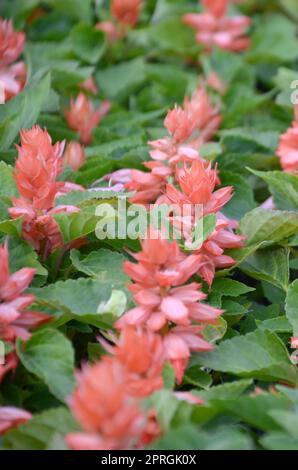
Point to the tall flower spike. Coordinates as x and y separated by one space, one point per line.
83 118
163 300
110 418
38 165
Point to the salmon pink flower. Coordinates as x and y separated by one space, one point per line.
110 30
198 182
288 148
13 79
111 419
213 248
294 342
11 417
213 28
126 12
218 7
12 75
38 165
11 363
89 85
163 300
141 353
74 155
83 118
15 320
180 342
11 43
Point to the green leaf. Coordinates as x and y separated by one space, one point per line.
230 287
7 184
49 355
12 227
260 355
79 299
105 265
22 111
36 433
274 40
243 198
22 255
292 306
191 438
87 42
269 264
76 225
283 186
119 81
261 225
291 7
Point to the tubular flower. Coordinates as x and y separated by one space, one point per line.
38 165
11 417
111 419
288 148
142 356
12 75
15 320
163 300
198 182
212 250
83 118
213 28
74 156
126 12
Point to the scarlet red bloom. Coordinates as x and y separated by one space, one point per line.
83 118
12 417
12 76
213 28
38 165
110 418
126 12
74 155
288 148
